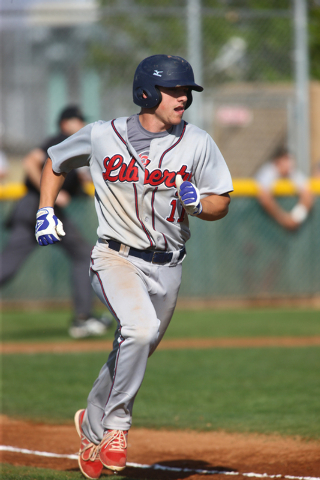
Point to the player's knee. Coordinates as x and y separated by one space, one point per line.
142 334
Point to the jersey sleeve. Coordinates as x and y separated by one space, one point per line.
211 175
74 152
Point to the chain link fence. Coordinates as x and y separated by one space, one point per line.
85 52
244 255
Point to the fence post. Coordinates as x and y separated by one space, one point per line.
302 86
195 57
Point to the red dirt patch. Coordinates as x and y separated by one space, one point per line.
171 344
244 453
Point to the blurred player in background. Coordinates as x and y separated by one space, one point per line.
282 166
21 241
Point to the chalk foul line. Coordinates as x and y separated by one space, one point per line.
7 448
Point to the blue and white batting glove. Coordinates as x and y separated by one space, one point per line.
189 196
49 228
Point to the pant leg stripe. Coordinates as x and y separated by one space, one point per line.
120 343
105 296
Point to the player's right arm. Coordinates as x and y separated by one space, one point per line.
32 164
73 152
50 185
49 228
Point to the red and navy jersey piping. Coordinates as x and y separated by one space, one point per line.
117 133
174 145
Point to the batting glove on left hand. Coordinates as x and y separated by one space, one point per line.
189 196
49 228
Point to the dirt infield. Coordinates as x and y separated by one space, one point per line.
242 453
171 344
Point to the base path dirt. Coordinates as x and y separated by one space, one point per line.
170 344
241 453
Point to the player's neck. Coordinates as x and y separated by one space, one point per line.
151 122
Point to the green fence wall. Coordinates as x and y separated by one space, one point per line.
244 255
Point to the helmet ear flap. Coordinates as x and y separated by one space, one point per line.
153 96
189 99
159 95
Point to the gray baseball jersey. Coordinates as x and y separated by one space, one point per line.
135 199
137 205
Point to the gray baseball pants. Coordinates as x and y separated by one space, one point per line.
142 298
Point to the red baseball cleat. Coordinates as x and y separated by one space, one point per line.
113 449
88 460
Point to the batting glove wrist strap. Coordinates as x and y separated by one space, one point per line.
189 196
49 228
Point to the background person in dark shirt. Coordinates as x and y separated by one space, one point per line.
21 241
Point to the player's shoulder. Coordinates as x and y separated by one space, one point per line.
101 126
197 135
195 130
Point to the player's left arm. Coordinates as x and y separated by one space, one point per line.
214 207
210 208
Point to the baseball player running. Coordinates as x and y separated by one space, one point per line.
150 171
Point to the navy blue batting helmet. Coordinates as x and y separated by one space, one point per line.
162 71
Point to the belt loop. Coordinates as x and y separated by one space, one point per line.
124 250
175 257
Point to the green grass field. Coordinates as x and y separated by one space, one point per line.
267 390
52 325
9 472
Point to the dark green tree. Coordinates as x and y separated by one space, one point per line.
262 30
314 39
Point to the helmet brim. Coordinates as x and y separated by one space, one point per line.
174 83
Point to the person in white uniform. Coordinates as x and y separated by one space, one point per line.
282 166
150 171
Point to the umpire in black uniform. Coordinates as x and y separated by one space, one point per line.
21 241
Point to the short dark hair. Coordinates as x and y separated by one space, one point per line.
72 111
279 152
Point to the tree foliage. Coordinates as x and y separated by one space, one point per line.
256 37
314 40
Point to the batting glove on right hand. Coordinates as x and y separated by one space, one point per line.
189 196
49 228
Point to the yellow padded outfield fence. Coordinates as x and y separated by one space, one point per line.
246 255
243 187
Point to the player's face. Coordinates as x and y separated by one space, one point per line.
71 125
172 106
